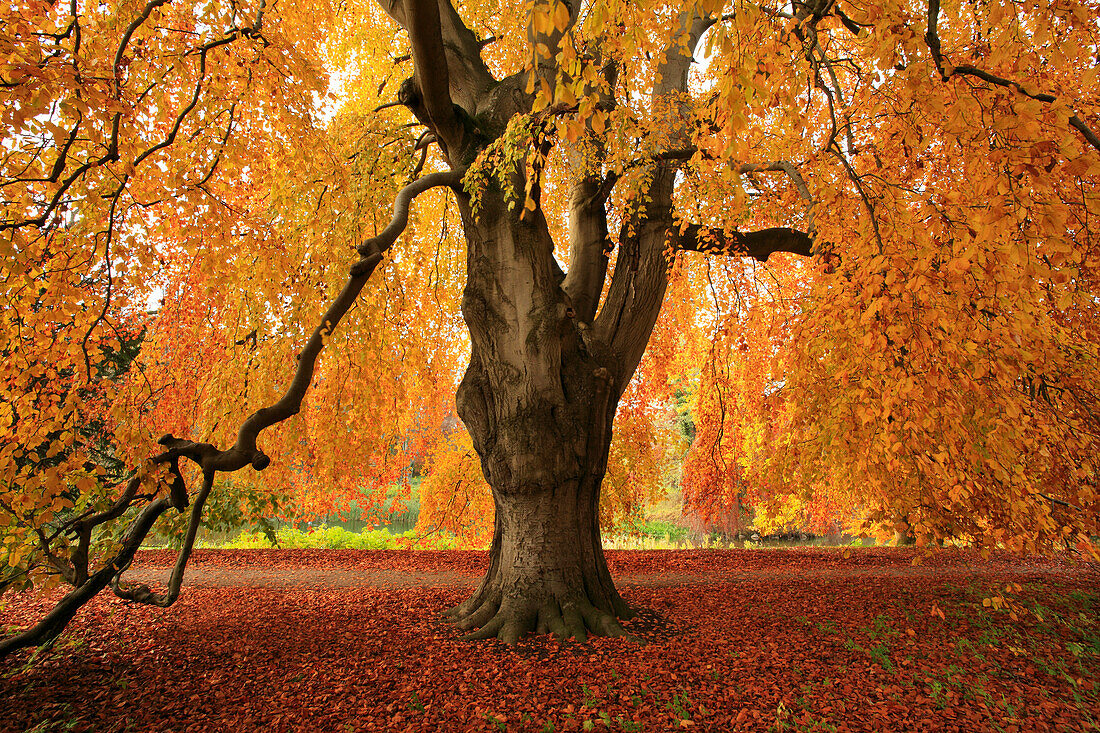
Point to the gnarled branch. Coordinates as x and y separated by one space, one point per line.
208 457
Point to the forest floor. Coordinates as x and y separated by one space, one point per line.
757 640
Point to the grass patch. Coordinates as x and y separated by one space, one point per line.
338 538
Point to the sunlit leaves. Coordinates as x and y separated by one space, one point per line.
932 368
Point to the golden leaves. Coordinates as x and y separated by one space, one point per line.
939 369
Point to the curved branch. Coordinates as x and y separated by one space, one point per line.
208 457
116 65
785 167
144 594
371 252
401 204
932 39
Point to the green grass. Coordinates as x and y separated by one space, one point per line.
338 538
653 535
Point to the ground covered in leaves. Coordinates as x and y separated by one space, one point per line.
761 640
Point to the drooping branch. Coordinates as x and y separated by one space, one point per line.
947 71
143 593
55 621
208 457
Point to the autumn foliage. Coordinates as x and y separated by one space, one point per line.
882 275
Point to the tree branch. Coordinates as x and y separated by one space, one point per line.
371 252
430 69
932 39
589 246
641 271
759 245
54 622
143 593
116 65
211 460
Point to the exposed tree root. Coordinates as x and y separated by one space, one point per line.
509 617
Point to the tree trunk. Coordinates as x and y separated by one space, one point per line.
539 403
547 570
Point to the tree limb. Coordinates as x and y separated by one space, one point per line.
589 246
430 69
209 458
54 622
142 593
371 252
641 271
932 39
759 244
116 65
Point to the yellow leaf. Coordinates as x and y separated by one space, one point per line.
561 16
541 23
597 122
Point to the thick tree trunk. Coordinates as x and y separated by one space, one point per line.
539 403
547 570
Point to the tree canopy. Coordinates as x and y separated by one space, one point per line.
872 227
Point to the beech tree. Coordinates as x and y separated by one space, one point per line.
900 200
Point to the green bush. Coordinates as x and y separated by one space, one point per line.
657 529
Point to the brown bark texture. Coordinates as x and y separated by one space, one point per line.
539 404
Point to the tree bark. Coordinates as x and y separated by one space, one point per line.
547 569
539 402
548 362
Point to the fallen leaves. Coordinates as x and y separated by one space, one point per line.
727 640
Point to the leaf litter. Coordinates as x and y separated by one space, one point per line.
755 640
